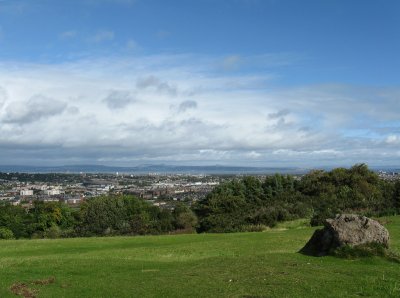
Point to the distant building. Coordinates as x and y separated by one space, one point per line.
52 192
74 201
26 192
16 202
51 200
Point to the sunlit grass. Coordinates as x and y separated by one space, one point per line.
264 264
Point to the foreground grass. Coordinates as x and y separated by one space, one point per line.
262 264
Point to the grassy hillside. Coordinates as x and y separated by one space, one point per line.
207 265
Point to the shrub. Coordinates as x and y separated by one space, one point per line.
319 216
6 233
186 220
38 235
53 232
69 233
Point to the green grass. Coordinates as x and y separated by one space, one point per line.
294 224
264 264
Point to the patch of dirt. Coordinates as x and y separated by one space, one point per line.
23 289
150 270
44 282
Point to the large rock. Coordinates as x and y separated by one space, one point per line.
346 229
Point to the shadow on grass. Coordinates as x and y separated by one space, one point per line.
368 250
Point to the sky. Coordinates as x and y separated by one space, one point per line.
229 82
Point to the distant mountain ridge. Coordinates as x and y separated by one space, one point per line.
168 169
145 169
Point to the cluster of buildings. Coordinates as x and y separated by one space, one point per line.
386 175
24 193
160 190
166 193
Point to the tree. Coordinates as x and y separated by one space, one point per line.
16 219
184 218
120 214
102 214
396 196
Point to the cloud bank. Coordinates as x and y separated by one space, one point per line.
185 109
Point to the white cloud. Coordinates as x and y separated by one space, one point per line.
163 34
253 155
68 34
231 62
131 44
120 110
393 140
14 6
279 114
118 99
3 97
187 105
102 36
154 83
34 109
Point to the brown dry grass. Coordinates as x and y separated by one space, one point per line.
23 289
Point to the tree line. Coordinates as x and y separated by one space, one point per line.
245 204
250 204
100 216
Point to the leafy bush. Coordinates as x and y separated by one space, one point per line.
124 215
184 218
6 233
53 232
68 233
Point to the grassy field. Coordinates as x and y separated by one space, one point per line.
264 264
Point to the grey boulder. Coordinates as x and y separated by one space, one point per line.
346 229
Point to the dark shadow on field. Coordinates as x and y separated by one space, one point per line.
319 245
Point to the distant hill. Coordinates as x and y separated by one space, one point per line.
168 169
145 169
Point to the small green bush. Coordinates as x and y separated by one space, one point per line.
37 235
6 233
68 233
53 232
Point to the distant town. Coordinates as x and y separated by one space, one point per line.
163 190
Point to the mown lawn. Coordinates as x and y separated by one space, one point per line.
262 264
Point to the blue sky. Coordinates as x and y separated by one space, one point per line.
240 82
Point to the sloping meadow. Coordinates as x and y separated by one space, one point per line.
260 264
